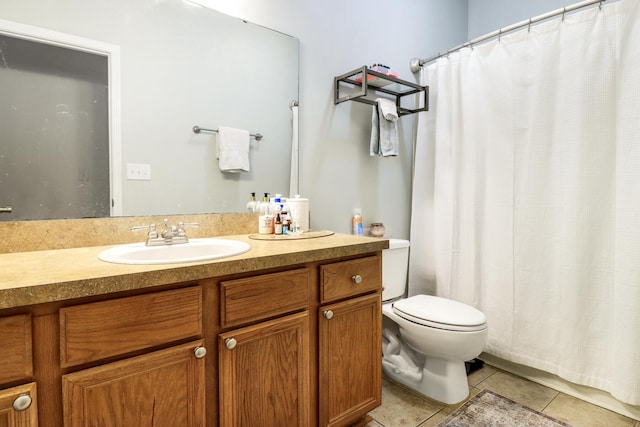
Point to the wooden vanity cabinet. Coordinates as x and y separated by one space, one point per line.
164 387
22 396
350 340
296 345
18 403
264 375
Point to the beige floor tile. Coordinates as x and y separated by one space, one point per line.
449 409
583 414
434 420
481 374
402 408
521 390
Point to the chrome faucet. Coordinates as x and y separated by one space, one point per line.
170 235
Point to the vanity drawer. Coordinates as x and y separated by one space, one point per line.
261 297
15 342
99 330
349 278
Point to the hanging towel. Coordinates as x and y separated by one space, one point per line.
233 149
384 132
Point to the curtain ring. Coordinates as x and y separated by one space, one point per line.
600 5
499 34
529 30
564 10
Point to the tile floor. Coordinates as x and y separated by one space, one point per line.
402 407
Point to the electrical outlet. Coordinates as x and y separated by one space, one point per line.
138 171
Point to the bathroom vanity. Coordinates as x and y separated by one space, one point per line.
286 334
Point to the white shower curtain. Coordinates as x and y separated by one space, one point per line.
526 194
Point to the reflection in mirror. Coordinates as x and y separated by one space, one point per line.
54 139
181 66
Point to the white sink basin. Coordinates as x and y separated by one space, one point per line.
195 250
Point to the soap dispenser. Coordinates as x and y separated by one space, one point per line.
251 204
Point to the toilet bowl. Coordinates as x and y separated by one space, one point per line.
426 339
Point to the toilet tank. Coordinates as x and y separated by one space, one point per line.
395 264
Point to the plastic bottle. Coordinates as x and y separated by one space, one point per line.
264 206
356 222
275 210
286 222
251 204
265 220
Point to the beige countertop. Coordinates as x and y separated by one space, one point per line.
28 278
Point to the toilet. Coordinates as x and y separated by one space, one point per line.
426 339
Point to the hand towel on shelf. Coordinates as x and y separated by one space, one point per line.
233 149
384 132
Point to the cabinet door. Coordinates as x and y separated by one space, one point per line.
15 342
18 407
264 374
164 388
350 348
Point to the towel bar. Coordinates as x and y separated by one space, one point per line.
197 129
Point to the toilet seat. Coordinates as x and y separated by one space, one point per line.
440 313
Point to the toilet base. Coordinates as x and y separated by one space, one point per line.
439 379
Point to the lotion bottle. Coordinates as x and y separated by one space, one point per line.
265 220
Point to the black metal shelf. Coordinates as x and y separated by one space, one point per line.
401 89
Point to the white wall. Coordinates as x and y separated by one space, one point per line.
336 36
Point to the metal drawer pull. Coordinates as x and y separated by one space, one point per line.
328 314
200 352
357 279
230 343
22 402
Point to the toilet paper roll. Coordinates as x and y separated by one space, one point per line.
299 210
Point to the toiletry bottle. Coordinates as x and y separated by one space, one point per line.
264 206
278 224
286 222
275 211
265 220
284 214
356 222
251 204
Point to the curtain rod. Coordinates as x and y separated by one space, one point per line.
417 63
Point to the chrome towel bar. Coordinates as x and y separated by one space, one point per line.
197 129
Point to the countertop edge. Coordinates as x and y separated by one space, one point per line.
88 276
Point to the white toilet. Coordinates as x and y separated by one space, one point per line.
426 339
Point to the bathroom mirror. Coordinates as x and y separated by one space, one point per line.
180 65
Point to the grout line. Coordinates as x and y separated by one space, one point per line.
551 401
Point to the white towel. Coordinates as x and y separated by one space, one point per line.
233 149
384 132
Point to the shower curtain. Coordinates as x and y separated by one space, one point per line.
526 194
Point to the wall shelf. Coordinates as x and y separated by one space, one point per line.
369 84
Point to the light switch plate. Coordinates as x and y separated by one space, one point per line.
138 171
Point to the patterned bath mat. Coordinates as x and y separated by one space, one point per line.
489 409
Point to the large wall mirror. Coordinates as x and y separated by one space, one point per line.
179 65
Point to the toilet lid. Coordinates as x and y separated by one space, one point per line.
440 313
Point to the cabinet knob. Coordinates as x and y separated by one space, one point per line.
200 352
357 279
230 343
22 402
328 314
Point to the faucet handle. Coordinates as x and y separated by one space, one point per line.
182 225
188 224
151 227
